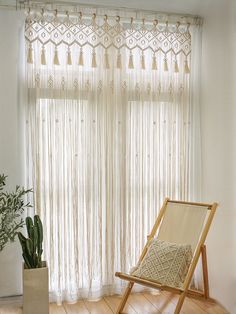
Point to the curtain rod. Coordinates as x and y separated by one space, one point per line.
25 4
99 6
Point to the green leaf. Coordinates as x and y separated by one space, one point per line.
12 205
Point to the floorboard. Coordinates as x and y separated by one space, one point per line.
78 307
114 301
210 307
141 304
163 302
191 307
56 309
98 307
10 309
138 303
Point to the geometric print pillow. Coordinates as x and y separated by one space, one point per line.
167 263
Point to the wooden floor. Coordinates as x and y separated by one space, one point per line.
139 303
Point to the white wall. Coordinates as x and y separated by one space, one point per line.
218 114
10 149
218 147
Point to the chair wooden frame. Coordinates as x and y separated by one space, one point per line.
200 250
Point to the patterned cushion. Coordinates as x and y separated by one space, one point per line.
166 263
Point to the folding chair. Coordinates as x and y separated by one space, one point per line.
178 222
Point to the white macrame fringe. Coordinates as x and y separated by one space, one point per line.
154 63
131 62
142 62
81 57
69 59
107 65
186 67
56 59
30 54
166 65
176 69
43 57
94 61
118 62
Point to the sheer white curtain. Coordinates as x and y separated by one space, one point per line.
111 129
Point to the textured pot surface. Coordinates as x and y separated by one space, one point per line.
35 291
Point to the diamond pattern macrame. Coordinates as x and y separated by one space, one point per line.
166 263
163 39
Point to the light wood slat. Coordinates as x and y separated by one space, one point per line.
146 282
216 309
56 309
191 203
205 272
210 307
159 302
113 302
162 302
190 307
15 300
155 285
98 307
11 309
78 307
142 304
166 302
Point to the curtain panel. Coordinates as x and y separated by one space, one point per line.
111 129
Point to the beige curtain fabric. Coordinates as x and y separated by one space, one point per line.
182 224
109 130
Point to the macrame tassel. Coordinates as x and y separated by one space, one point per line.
165 65
56 59
131 62
118 62
69 59
43 57
142 62
30 55
81 57
176 66
186 67
107 65
94 62
154 63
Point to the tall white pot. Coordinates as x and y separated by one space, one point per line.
35 290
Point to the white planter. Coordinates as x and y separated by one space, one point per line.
35 290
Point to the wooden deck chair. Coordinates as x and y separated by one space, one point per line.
178 222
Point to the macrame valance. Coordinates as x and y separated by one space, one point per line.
106 36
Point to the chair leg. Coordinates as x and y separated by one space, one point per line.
125 297
205 280
205 272
180 302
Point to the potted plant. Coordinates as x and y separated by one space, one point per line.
12 206
35 271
